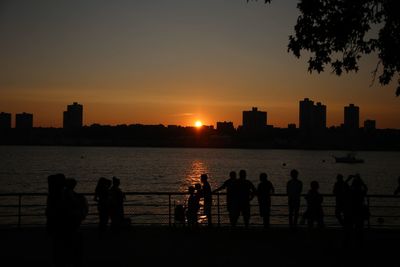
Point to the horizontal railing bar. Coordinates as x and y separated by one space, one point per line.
144 193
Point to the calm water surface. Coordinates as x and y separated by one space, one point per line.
25 168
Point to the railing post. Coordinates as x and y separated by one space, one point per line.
19 210
218 210
169 210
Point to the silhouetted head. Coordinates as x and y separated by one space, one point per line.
197 186
203 178
191 189
263 177
242 174
294 174
116 182
314 185
103 184
357 181
339 178
232 175
56 183
70 183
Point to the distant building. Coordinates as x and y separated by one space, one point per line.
369 125
291 126
319 116
24 121
351 117
311 117
254 120
73 117
306 114
225 127
5 120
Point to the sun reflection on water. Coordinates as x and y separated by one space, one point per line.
193 173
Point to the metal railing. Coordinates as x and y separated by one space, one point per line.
157 208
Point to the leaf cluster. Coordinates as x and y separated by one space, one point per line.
337 33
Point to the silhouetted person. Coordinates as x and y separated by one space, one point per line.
55 209
77 206
264 191
65 211
198 192
246 192
231 197
117 198
314 212
397 191
102 198
56 215
356 210
76 211
192 207
207 197
294 188
340 189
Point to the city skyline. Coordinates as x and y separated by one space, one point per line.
194 60
310 116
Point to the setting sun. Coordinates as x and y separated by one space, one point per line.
198 124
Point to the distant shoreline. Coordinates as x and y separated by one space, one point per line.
207 137
203 147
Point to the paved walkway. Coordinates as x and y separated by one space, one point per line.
164 246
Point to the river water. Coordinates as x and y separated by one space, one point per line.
25 168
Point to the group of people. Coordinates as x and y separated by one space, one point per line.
110 204
196 192
351 210
240 192
65 211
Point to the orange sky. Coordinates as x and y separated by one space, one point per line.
175 63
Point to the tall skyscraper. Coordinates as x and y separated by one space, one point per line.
73 117
24 121
351 117
311 117
254 120
319 116
5 120
306 117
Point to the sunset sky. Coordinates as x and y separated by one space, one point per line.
169 62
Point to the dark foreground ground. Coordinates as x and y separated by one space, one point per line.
164 246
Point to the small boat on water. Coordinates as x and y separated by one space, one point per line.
349 158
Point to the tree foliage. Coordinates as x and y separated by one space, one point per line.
337 33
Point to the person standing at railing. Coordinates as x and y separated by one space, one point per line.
117 198
246 192
231 197
207 197
340 189
101 196
55 217
192 207
356 208
65 211
55 203
264 191
314 212
76 211
294 187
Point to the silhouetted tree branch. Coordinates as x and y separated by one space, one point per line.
339 32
